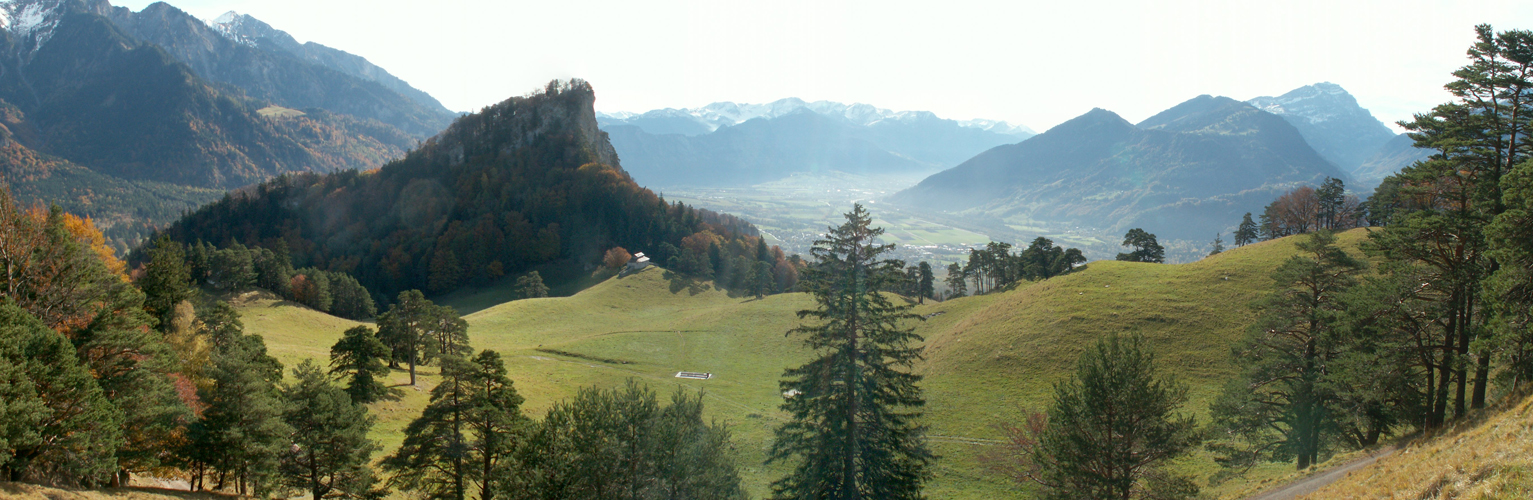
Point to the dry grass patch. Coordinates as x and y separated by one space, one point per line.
1490 457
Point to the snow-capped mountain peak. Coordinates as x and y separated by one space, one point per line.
32 22
1316 103
230 17
724 114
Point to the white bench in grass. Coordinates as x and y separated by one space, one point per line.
694 375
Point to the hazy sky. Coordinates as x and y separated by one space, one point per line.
1033 63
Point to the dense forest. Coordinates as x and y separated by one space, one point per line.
525 182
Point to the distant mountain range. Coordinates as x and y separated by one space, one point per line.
140 116
729 144
1184 173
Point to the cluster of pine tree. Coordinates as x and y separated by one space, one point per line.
1343 356
237 267
995 267
103 380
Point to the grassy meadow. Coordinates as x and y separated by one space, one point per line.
988 358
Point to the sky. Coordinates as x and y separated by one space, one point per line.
1032 63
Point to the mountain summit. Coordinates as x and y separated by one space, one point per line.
1187 172
1332 122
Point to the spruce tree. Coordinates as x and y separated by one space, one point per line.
854 430
1218 245
358 357
330 451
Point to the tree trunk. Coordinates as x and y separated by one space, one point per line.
1461 396
1481 380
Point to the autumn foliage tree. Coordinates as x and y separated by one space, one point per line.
616 258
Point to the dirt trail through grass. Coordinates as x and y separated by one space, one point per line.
1313 483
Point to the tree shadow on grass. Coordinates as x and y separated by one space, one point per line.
680 282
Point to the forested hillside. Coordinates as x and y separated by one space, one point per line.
525 182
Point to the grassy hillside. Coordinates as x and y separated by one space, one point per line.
1490 457
24 491
988 357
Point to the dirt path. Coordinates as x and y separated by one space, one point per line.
1311 484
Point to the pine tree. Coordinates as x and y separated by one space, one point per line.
1146 249
359 356
1218 245
166 281
1110 430
330 451
853 431
925 286
418 331
54 419
1282 402
471 425
1247 232
956 281
241 432
620 443
494 419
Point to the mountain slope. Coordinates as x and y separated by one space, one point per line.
250 30
269 65
732 145
1187 172
101 99
1398 153
1332 122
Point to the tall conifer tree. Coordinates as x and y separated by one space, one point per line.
854 431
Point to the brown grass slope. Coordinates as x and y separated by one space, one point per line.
1486 458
